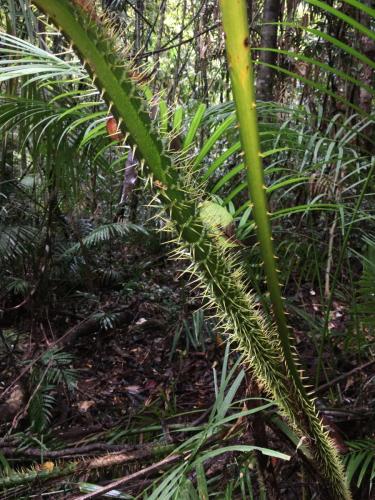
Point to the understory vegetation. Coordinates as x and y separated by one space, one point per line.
187 248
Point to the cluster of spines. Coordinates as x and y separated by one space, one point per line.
102 31
223 282
24 476
257 340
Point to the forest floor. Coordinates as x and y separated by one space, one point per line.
144 363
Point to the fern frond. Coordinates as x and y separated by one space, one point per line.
16 241
360 462
366 290
41 408
107 232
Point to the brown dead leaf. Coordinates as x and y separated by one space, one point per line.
86 405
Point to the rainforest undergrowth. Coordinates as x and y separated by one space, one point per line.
174 179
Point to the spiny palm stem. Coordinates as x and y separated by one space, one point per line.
221 278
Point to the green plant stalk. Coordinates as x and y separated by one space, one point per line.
217 271
31 475
237 40
234 15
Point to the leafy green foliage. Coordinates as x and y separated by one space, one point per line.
41 408
366 290
177 483
360 463
310 158
54 369
92 488
220 277
15 242
106 233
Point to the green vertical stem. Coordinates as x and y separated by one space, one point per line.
236 32
234 16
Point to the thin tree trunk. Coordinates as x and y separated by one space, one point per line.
162 12
202 54
367 48
367 78
266 76
139 25
177 68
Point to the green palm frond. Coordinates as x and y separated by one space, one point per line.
41 408
176 483
23 59
360 462
59 369
16 286
366 289
295 149
53 369
10 339
16 241
106 233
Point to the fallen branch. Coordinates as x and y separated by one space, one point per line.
92 325
136 475
344 376
142 452
13 452
79 432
